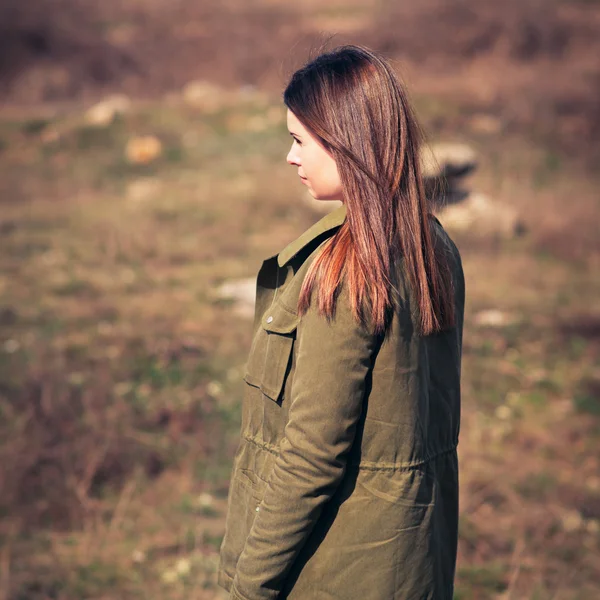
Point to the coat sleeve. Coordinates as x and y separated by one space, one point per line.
332 363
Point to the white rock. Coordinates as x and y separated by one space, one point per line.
169 576
593 526
11 346
503 412
204 95
214 388
243 291
479 215
447 160
572 520
104 113
141 150
183 566
491 318
205 500
142 189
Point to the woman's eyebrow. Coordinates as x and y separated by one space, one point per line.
295 135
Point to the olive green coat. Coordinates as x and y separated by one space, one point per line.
345 481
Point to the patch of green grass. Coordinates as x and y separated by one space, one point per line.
119 169
212 540
157 373
548 385
93 138
212 473
488 385
577 346
34 126
569 553
23 249
537 486
547 170
587 404
76 287
467 530
209 511
587 396
486 579
486 349
174 154
95 578
38 588
538 399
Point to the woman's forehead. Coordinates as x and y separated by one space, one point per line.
292 121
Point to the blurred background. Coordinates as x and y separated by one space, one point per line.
143 181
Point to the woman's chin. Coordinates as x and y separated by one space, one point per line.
321 197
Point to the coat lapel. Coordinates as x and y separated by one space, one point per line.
273 276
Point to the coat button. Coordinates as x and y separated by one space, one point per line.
257 508
269 319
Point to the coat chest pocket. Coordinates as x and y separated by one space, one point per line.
270 354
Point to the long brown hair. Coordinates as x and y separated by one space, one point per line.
351 100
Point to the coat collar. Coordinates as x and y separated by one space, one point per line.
333 219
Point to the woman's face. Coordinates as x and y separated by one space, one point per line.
316 167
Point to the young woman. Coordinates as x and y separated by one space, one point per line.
345 481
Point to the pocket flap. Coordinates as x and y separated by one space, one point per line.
280 319
268 364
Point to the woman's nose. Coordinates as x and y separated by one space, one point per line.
292 159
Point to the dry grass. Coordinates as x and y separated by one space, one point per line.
120 370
